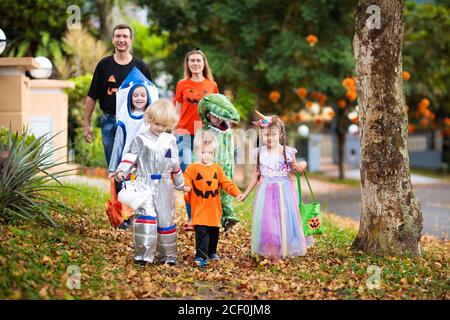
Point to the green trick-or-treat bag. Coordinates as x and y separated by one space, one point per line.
309 213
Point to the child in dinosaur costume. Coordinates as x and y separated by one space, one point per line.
219 114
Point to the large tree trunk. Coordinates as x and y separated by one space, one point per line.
391 217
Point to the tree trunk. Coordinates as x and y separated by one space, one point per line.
391 217
104 10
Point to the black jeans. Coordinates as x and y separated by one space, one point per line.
206 239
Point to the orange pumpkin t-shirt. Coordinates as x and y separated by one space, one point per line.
206 183
189 93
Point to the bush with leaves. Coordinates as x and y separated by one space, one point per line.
89 154
28 179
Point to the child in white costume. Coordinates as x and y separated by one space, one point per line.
134 96
155 155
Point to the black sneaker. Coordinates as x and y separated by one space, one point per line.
140 263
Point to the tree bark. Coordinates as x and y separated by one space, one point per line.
391 217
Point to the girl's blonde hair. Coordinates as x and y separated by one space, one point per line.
204 139
206 69
162 111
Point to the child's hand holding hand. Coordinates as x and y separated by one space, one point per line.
240 197
187 189
111 174
120 176
300 167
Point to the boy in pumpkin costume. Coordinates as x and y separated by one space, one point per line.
219 116
204 180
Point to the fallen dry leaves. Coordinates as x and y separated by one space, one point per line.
104 256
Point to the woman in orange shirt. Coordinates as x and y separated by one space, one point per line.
198 81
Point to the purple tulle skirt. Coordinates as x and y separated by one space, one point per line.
277 229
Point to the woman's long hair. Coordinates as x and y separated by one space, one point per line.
206 69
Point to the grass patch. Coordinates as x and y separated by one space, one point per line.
346 181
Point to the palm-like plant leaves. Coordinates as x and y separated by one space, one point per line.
28 180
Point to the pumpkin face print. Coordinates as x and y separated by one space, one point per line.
314 223
204 186
194 97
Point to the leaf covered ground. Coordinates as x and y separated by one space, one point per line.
34 262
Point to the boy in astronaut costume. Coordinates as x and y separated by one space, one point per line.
153 157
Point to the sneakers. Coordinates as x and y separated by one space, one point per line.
124 225
140 263
171 261
214 256
200 262
188 227
309 241
229 224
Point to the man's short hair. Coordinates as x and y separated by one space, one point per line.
123 26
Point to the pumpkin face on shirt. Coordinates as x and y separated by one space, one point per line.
205 186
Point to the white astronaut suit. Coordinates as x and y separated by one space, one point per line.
155 162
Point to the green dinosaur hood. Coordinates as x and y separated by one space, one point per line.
220 107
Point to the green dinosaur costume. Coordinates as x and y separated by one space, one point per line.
219 107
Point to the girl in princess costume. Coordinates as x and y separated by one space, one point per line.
154 153
277 230
134 96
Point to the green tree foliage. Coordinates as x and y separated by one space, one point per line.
426 50
24 22
261 45
150 46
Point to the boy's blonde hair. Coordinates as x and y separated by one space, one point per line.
204 139
162 111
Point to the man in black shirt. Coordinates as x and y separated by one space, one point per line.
109 73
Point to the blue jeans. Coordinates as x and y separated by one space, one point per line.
185 146
108 126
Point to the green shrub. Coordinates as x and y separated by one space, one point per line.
25 191
89 154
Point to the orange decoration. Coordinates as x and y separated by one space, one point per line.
424 103
411 128
323 98
298 117
426 113
355 120
406 75
274 96
283 118
342 103
351 95
319 120
330 114
312 40
424 122
309 104
302 92
446 121
349 84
